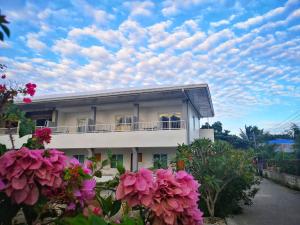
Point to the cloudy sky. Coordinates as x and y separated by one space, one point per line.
248 51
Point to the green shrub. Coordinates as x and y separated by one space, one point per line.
226 174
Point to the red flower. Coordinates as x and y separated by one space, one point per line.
30 89
2 88
27 100
43 135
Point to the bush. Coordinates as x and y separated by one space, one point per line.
227 176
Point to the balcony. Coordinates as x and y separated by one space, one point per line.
122 135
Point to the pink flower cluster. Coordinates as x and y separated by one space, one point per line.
43 135
170 197
23 171
30 89
136 188
81 183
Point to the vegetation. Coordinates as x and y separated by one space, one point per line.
227 176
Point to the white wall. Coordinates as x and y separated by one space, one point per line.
194 131
207 133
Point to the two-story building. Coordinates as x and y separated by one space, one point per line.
141 127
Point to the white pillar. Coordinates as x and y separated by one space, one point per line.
134 165
136 116
90 152
185 117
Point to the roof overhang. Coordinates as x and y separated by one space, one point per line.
197 94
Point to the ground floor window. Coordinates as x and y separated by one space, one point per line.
160 161
80 158
116 159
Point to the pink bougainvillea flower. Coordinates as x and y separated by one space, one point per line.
43 135
30 89
175 198
27 100
136 188
91 209
24 170
2 185
2 88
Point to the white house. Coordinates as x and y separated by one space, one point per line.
139 126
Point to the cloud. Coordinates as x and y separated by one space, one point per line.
34 43
139 8
173 7
222 22
213 39
100 16
248 65
267 16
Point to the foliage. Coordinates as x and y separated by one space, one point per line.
218 165
296 134
93 220
3 25
225 135
252 135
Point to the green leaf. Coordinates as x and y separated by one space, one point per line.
115 208
121 169
77 220
5 29
1 36
105 163
95 220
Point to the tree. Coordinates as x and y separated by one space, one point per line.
3 26
252 135
217 165
296 134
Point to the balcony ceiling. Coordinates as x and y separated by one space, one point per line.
198 94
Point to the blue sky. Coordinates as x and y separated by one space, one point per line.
248 51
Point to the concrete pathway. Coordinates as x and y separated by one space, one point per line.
273 205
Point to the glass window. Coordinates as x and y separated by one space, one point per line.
117 159
160 161
170 120
123 120
80 158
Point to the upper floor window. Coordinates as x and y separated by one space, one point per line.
160 161
170 120
123 122
116 159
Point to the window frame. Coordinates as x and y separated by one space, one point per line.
78 157
114 162
161 156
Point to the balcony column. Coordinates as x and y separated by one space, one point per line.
94 114
134 160
54 118
90 152
136 116
185 117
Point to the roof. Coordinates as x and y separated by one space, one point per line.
281 142
198 94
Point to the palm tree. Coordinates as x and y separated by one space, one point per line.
3 26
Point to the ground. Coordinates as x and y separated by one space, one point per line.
273 205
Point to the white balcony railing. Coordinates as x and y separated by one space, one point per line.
121 127
104 128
